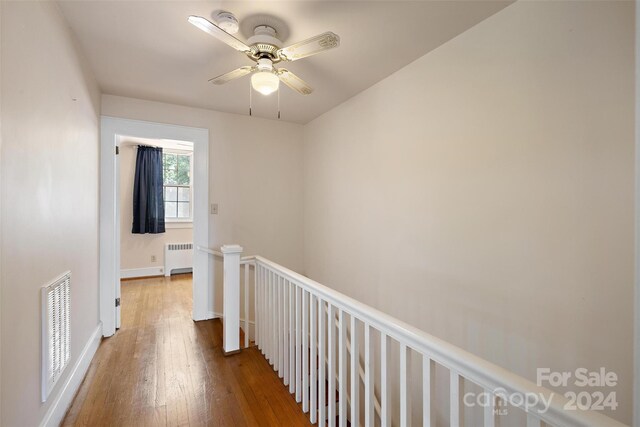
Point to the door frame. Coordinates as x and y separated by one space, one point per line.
111 128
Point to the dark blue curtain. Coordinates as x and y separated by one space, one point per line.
148 199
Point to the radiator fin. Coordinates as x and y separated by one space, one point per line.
179 246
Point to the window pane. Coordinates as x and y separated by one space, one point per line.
184 194
184 170
170 194
169 161
170 209
183 210
170 168
169 177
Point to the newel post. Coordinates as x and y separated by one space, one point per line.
231 299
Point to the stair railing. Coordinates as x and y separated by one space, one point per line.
294 318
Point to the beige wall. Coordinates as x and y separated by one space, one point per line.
484 193
136 249
255 176
50 109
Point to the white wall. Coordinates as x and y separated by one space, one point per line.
255 176
484 193
50 110
136 249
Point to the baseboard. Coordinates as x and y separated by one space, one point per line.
252 324
213 315
141 272
62 401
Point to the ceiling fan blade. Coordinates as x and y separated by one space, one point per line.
309 47
294 82
218 33
237 73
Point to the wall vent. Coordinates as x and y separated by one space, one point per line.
55 331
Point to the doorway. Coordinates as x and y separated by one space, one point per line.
113 131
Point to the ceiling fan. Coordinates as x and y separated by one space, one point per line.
264 48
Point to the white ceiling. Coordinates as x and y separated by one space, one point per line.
148 50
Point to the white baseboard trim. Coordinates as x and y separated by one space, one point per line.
141 272
65 395
213 315
252 324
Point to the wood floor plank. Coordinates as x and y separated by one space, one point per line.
163 369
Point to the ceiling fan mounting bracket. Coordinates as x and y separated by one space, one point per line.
227 21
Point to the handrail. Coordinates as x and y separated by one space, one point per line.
210 251
244 260
471 367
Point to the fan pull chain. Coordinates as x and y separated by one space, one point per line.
278 102
250 97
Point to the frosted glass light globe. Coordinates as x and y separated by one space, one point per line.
265 82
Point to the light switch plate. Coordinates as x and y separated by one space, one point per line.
214 209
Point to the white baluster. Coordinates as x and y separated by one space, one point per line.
342 368
313 306
489 414
255 301
305 352
405 393
274 321
269 315
533 421
322 404
298 345
355 373
385 392
280 329
246 305
428 391
331 371
261 309
369 396
286 331
455 393
292 337
263 317
256 304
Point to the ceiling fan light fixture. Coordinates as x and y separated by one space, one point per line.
265 82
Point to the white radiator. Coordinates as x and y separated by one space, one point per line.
178 256
55 331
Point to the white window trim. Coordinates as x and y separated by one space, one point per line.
178 224
181 222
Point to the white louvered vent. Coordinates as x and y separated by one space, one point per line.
55 331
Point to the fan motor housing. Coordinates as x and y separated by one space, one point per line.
264 43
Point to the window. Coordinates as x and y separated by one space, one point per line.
177 185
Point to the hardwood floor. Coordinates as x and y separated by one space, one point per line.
161 368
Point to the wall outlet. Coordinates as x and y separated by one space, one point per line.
153 258
214 209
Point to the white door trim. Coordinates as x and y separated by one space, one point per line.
111 128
